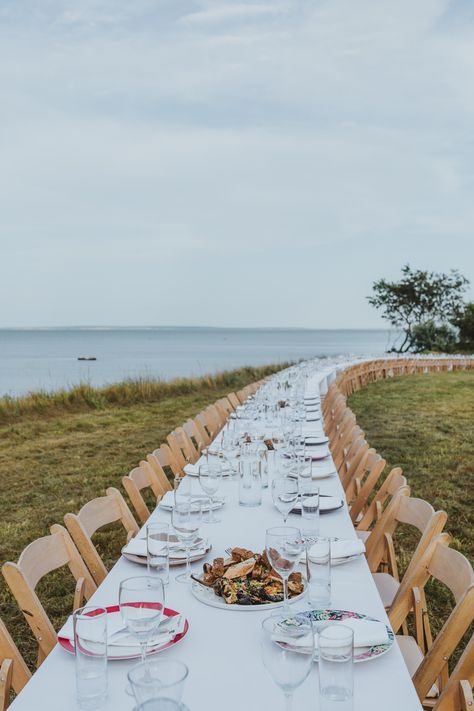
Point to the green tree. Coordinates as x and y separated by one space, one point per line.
419 297
464 322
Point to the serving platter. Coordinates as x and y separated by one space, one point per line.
207 596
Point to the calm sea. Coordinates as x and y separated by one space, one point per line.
46 359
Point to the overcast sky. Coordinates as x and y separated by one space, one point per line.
230 163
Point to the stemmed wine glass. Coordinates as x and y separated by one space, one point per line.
284 546
210 479
186 518
287 664
142 601
285 494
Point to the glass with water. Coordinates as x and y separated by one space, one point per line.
335 653
318 572
158 550
90 644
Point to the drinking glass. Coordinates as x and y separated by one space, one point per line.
250 482
318 572
90 644
158 679
210 479
158 550
186 518
142 600
284 546
309 509
335 652
287 665
285 495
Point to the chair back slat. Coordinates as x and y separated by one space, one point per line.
95 514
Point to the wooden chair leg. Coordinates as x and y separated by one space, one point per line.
6 671
79 593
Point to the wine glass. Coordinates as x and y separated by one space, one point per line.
186 518
210 479
285 495
141 602
284 546
286 663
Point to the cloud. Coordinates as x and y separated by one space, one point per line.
217 137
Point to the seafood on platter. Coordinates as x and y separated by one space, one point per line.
247 578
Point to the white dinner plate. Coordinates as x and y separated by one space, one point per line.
208 597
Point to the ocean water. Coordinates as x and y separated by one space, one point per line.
46 359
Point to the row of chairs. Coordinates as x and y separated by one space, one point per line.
380 503
72 546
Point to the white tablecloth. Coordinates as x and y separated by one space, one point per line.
222 646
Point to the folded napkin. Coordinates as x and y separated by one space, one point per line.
367 633
193 469
326 503
322 469
167 502
340 548
137 546
119 636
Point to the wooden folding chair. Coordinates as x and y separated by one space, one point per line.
37 560
141 478
457 694
392 484
427 660
14 673
111 508
196 440
227 408
353 458
361 486
162 459
202 436
380 548
183 451
343 450
234 400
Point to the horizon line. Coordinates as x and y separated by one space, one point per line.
176 327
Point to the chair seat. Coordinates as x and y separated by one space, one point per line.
363 535
413 656
387 587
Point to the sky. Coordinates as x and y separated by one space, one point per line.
179 162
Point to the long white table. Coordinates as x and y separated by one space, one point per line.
222 646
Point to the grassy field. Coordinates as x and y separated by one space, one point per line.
425 424
58 451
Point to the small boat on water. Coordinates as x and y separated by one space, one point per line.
86 358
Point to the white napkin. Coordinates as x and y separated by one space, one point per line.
341 548
167 502
326 503
168 629
193 469
367 633
322 470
